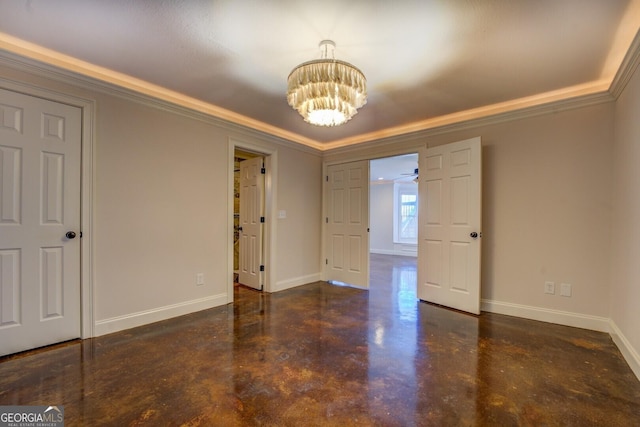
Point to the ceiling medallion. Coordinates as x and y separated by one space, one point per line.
326 91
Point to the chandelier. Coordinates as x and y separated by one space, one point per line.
326 91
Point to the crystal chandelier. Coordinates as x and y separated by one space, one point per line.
326 91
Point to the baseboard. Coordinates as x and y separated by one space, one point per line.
296 281
566 318
396 252
628 352
120 323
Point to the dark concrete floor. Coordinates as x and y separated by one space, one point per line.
329 355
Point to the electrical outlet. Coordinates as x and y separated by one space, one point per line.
565 289
549 288
199 279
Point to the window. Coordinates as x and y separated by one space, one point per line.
405 213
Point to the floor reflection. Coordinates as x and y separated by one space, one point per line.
393 331
406 279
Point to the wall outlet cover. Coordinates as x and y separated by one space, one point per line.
549 288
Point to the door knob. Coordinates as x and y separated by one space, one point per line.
70 235
474 235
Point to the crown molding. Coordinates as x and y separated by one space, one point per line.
627 68
566 98
507 116
194 110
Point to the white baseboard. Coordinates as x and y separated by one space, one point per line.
627 350
120 323
397 252
566 318
296 281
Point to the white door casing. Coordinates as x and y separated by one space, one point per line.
449 245
251 222
40 152
347 223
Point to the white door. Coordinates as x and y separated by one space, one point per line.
450 225
347 219
251 222
39 203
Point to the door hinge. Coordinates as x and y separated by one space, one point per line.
326 220
327 178
262 268
326 261
261 219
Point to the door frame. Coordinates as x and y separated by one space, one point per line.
270 190
87 205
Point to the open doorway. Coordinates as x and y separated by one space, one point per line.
245 152
451 198
248 219
393 212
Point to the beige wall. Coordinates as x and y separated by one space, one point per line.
300 195
625 254
160 178
162 206
546 210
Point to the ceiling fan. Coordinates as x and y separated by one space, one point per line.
414 174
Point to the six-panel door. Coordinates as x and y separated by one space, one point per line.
40 144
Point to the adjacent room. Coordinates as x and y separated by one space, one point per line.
335 213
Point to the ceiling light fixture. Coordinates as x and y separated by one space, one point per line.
326 91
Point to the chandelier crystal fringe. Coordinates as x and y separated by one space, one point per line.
327 92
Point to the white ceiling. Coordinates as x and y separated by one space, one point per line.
397 168
424 60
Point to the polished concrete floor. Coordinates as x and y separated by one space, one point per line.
324 355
